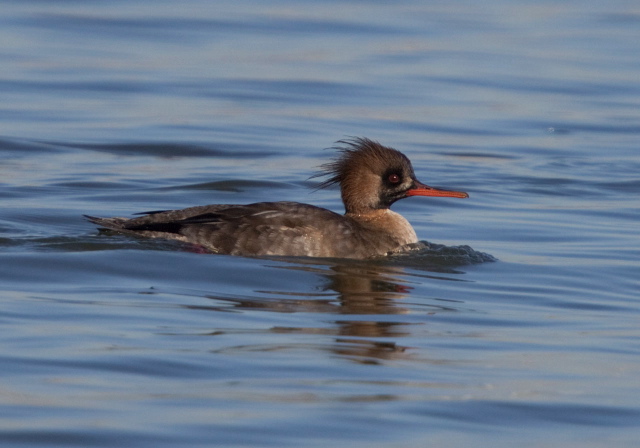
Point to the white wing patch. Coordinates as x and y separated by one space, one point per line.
268 214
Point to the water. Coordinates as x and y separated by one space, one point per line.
112 108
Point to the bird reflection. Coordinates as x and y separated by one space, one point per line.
363 291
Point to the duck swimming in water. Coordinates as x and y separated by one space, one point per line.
371 178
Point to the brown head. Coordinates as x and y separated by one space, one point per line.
373 177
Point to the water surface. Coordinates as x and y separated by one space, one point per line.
115 108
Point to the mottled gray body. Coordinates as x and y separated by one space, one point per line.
272 228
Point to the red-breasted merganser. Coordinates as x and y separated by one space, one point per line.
371 178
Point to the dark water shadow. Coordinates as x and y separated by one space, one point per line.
170 150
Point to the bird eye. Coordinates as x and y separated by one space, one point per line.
393 178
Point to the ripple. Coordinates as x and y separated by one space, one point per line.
439 256
165 150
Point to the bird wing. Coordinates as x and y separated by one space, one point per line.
263 228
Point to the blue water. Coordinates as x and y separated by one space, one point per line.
113 108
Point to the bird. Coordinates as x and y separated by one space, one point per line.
371 178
